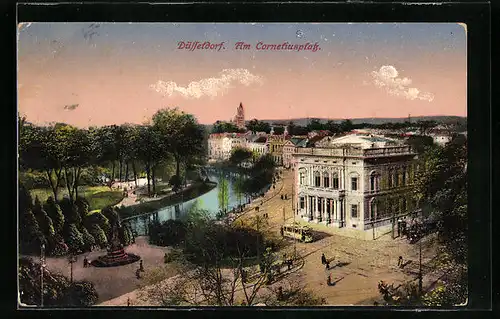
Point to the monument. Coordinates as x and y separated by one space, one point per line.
116 255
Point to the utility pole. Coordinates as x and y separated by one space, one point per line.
42 268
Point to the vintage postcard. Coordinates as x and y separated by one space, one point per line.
242 164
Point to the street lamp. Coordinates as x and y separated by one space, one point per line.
42 267
373 227
72 260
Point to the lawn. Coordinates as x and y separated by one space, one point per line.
97 196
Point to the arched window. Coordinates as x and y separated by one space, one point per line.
374 181
326 179
302 177
335 181
317 179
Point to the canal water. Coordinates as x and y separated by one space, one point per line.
225 196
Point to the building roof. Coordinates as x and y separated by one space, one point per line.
260 139
313 140
358 140
299 141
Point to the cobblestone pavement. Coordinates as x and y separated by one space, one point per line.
358 264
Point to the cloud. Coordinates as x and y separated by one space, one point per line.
210 87
387 78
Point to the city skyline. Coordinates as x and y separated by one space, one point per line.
98 74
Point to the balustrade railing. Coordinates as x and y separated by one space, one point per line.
346 152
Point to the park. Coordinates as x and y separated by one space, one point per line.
132 215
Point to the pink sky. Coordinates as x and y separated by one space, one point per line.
111 82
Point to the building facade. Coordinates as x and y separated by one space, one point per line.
289 149
354 181
258 148
276 143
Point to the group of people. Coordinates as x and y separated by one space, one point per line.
86 262
285 197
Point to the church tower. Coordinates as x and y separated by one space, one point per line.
239 119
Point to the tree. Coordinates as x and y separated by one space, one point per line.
82 206
30 235
44 221
441 190
182 134
223 193
88 240
40 149
315 125
81 294
240 155
346 126
225 127
293 294
97 218
99 235
258 126
112 216
420 143
176 182
74 238
70 212
425 126
76 147
209 281
151 149
58 290
333 127
279 130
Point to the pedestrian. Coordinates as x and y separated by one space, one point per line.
141 266
286 196
400 261
138 273
282 232
128 302
281 196
280 293
289 263
329 280
323 259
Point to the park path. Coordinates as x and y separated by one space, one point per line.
112 282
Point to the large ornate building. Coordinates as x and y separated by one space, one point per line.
354 181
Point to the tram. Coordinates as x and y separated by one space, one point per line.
297 231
